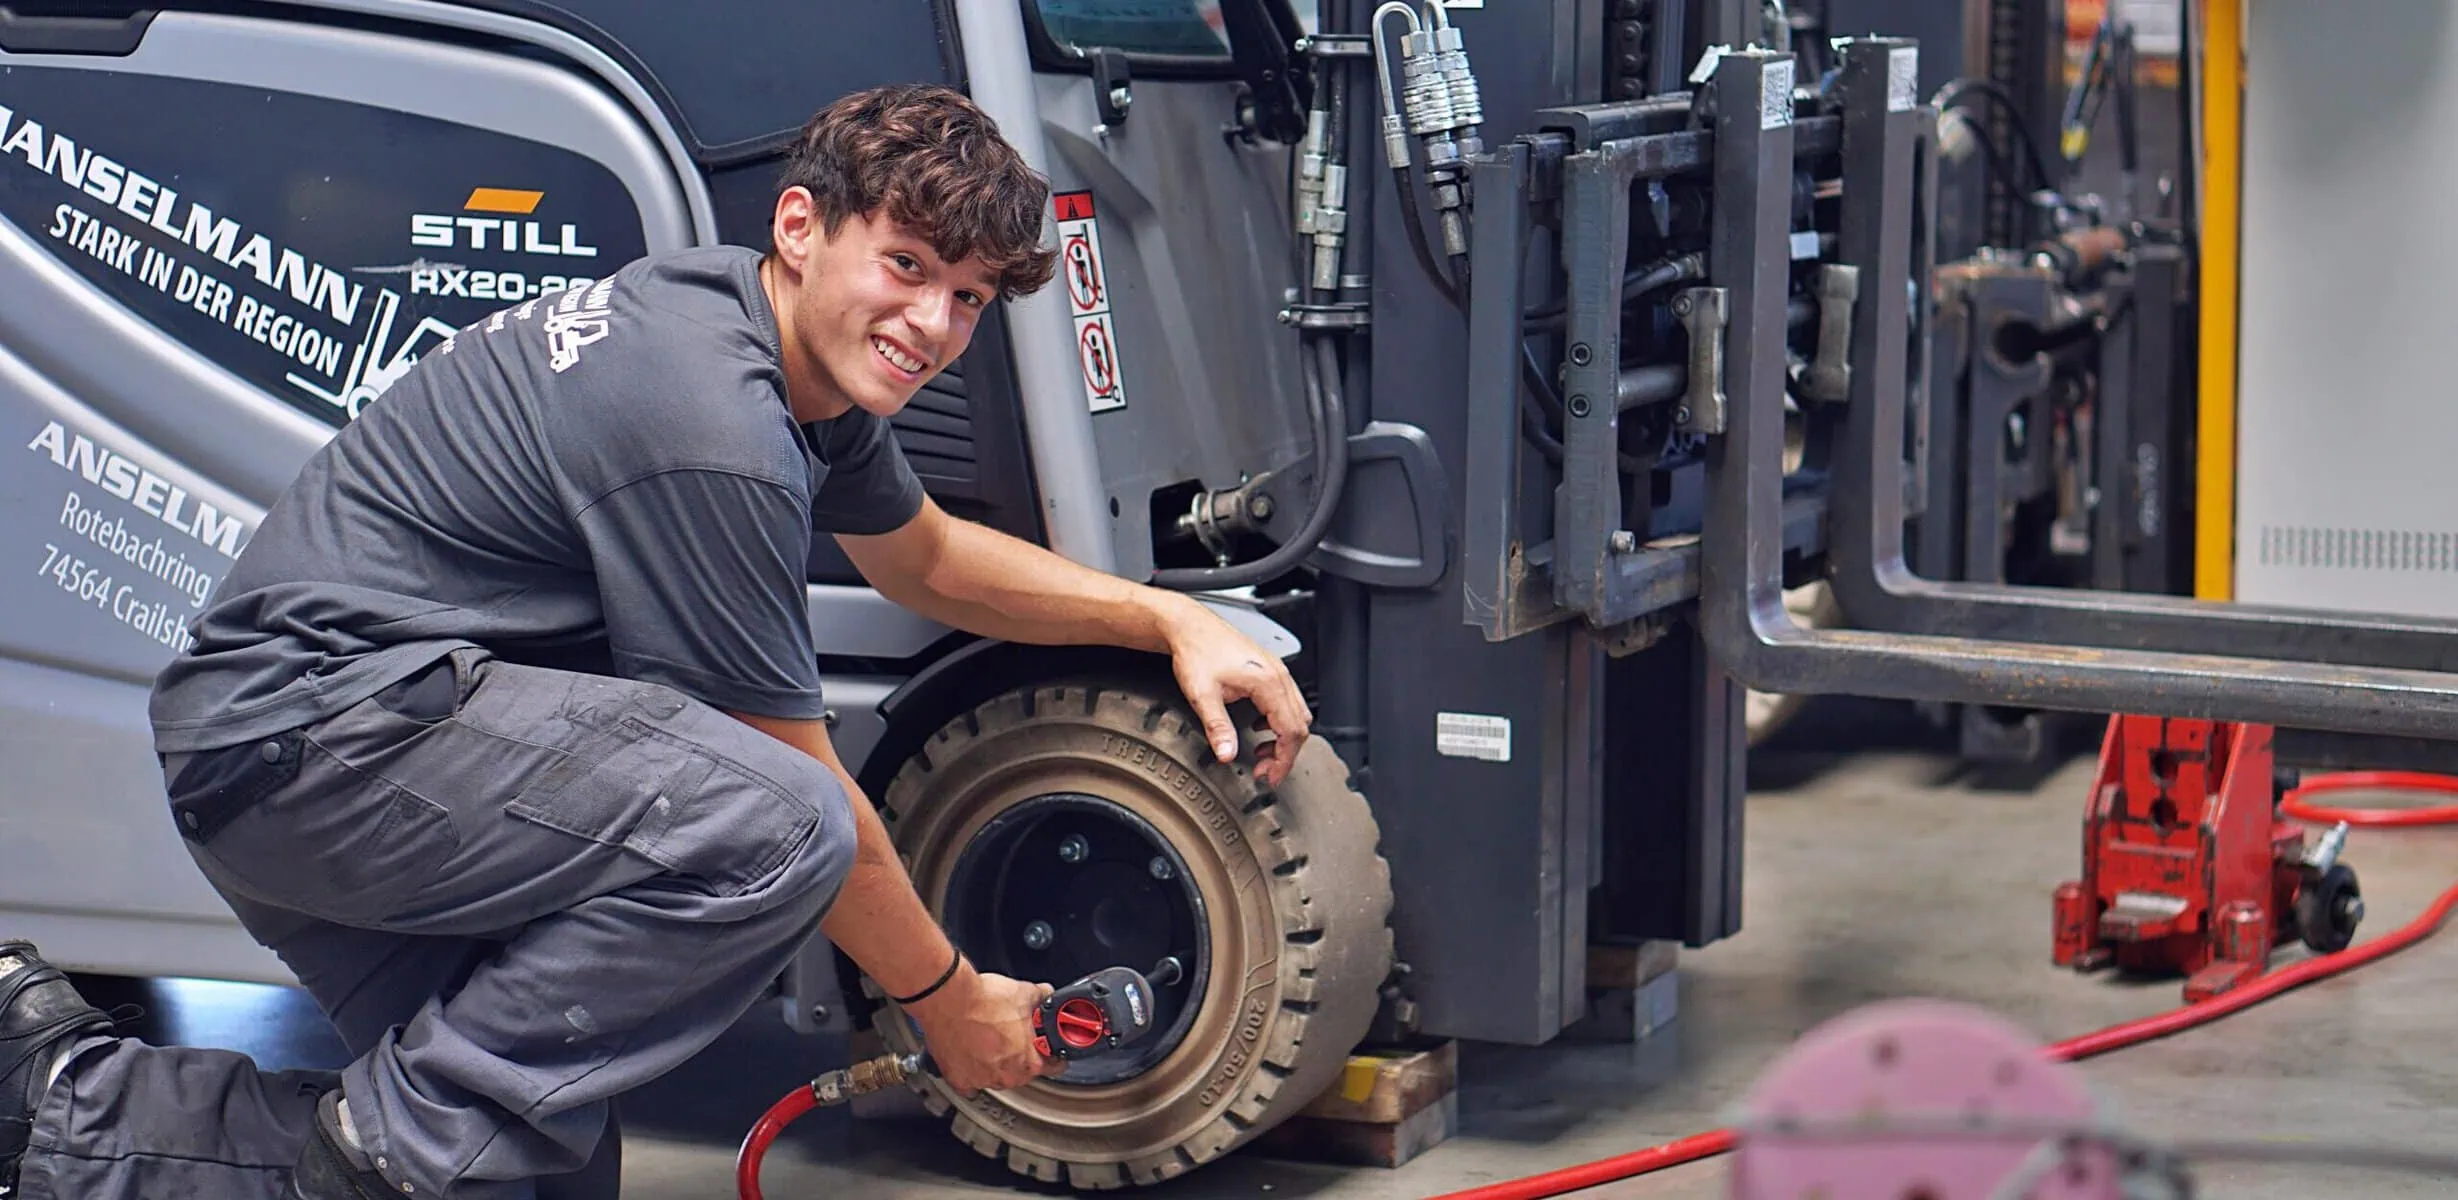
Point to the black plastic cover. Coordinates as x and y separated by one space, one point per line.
39 29
738 77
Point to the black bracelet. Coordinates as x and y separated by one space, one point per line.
925 993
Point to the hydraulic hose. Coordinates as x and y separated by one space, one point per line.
1396 154
1326 402
1954 90
2116 1037
1331 462
1655 276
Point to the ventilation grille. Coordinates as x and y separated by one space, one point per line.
2359 549
935 431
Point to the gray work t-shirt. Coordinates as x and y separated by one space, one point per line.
607 476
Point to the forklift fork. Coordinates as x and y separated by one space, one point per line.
2051 648
1878 589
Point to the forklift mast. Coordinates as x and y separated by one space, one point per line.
1605 309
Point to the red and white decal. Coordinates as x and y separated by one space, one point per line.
1088 298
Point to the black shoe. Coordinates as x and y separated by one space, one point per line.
40 1011
330 1168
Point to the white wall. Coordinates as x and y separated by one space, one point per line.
2347 479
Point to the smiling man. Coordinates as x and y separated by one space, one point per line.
505 731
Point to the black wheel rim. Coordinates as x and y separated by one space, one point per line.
1065 884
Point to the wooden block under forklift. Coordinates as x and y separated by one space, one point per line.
1389 1086
1386 1108
1361 1143
1630 966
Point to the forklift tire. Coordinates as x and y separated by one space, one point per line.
1285 885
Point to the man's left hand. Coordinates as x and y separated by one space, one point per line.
1218 666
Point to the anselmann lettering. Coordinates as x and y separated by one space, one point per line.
126 479
162 209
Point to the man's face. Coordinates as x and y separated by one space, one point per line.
876 313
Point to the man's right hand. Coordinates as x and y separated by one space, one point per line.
979 1030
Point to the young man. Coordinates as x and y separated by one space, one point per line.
521 889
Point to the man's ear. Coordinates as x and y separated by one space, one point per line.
795 226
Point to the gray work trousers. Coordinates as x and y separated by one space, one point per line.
517 892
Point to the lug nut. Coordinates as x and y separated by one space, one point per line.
1037 935
1160 867
1074 849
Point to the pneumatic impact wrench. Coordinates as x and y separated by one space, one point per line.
1104 1010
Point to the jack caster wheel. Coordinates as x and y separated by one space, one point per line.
2328 909
1064 828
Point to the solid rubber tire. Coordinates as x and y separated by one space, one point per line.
1297 898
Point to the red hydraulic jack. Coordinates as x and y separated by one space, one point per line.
2187 866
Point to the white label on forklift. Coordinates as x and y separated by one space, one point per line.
1088 298
1775 95
1473 735
1902 78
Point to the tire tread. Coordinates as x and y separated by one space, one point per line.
1332 836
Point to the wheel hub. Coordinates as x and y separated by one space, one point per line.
1064 884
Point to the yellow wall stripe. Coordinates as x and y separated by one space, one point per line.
2222 76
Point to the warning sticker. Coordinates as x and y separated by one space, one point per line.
1088 298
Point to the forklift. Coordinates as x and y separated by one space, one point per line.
1501 367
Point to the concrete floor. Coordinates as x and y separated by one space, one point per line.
1872 873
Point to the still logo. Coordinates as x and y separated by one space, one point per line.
501 230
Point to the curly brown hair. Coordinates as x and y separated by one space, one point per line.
934 162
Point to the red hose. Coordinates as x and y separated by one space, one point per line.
1604 1170
2294 804
755 1145
2115 1037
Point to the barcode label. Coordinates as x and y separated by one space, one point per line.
1472 735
